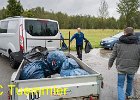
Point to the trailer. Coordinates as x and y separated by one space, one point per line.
87 87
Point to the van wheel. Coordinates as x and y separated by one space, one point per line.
13 63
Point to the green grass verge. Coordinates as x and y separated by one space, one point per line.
93 35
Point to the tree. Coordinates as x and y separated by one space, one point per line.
137 21
14 8
121 22
111 23
3 13
103 12
28 13
128 9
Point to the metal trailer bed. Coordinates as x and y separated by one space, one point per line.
78 87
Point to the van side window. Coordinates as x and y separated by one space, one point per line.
12 26
3 26
41 27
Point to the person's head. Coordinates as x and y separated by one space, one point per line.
128 31
79 30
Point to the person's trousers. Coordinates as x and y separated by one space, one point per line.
121 80
79 51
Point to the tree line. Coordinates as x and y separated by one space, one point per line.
131 18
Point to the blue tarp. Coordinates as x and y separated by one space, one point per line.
35 70
73 72
78 72
69 64
55 60
64 73
71 68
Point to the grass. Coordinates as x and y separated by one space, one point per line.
93 35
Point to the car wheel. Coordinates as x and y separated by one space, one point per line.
0 54
13 63
112 47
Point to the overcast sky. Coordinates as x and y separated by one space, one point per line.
71 7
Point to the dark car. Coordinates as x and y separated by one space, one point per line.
109 42
138 35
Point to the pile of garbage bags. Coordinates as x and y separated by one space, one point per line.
42 64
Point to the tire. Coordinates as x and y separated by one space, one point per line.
0 54
112 46
13 63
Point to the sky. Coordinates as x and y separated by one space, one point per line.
71 7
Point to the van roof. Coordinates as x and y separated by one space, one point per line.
21 17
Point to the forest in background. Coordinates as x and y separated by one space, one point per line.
103 21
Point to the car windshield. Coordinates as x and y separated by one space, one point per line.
41 27
118 35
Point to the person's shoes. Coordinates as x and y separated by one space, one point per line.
128 98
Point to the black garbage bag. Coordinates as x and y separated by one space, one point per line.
35 70
64 46
61 37
37 53
88 47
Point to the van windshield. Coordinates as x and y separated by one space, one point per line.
41 27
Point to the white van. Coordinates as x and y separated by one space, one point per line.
19 34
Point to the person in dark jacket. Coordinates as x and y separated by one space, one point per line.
79 36
127 55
